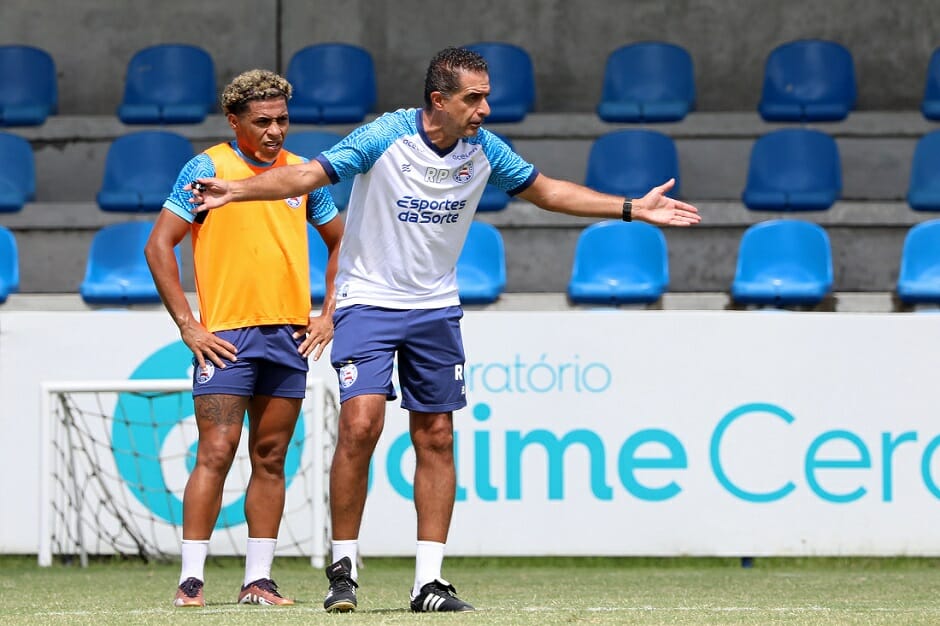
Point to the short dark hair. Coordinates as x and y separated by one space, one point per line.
444 71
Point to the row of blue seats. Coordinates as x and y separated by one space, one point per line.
176 84
789 169
140 169
780 263
334 83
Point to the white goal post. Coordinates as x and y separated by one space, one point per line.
114 459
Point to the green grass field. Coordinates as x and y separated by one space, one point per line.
506 591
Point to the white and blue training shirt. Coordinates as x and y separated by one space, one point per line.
411 207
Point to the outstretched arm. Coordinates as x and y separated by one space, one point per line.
280 182
655 207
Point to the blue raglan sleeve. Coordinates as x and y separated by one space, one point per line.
359 150
320 206
200 166
510 172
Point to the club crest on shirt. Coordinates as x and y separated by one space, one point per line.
294 202
205 373
348 375
464 173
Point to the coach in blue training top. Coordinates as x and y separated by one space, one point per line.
419 175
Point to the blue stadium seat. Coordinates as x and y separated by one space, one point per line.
494 198
648 81
923 192
930 105
9 264
140 170
169 84
310 143
783 262
116 271
481 267
319 256
619 263
17 173
29 91
334 83
793 169
631 162
919 277
512 81
808 80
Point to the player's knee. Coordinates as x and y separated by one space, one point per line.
216 456
268 459
360 432
436 438
272 466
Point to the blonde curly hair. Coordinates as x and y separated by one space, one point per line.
253 85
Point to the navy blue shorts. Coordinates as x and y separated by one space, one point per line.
268 364
430 355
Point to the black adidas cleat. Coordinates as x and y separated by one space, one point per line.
438 595
341 598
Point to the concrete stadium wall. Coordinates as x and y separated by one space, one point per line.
729 40
867 225
569 41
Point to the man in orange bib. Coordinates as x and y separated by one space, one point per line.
255 328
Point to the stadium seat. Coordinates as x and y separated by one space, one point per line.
29 91
494 198
334 83
649 81
619 263
17 173
169 84
310 143
793 169
318 259
481 267
783 262
630 162
808 80
930 105
140 170
116 271
923 192
919 277
512 81
9 264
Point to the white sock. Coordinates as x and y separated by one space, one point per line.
350 548
194 554
428 560
258 559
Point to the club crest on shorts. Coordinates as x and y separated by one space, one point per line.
348 375
205 373
294 202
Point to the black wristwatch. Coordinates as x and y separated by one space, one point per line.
628 210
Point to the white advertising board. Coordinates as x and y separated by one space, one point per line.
603 432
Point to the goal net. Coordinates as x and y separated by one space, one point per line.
116 455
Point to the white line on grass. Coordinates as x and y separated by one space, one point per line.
717 609
529 609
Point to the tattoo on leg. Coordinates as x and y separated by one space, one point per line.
221 410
